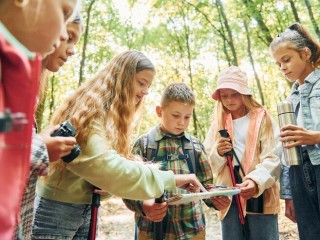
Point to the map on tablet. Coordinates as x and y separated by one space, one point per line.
186 198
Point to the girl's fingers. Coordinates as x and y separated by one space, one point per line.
289 127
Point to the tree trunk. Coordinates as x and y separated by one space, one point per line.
85 42
39 113
220 32
256 14
52 94
187 44
229 32
252 62
314 22
294 11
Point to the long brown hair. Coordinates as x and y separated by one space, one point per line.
109 99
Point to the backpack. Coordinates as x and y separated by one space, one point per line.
151 148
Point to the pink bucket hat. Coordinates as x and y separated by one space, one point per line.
233 78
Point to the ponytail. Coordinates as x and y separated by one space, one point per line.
298 36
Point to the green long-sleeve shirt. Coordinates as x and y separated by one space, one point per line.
106 169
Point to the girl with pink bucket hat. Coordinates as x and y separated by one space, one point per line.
250 140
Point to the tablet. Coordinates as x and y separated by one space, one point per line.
191 197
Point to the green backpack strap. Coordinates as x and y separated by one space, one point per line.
190 152
150 145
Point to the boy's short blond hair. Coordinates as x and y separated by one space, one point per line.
179 92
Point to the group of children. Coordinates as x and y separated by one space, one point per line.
104 112
253 143
23 22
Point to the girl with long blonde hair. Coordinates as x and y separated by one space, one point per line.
102 110
255 166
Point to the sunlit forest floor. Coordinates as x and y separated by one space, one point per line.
116 223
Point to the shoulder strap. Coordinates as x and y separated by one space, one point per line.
151 146
190 153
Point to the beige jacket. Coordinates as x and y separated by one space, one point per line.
260 163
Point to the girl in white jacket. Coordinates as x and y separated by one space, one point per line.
252 140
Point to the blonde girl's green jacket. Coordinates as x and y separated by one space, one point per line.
259 161
106 169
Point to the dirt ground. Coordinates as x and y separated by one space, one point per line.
116 223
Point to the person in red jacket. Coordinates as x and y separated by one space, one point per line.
24 39
45 146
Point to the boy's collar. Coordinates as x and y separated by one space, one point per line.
162 134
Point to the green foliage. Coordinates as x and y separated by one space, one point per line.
188 41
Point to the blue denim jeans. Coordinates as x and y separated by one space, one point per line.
260 226
59 220
305 189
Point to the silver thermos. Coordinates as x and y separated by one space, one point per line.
286 115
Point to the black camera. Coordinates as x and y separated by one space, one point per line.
67 130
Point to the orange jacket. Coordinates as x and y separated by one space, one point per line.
19 79
260 163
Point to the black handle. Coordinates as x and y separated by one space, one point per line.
158 226
224 133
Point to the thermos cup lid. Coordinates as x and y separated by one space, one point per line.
284 107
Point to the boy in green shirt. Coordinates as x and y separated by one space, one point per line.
173 149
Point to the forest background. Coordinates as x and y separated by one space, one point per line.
188 41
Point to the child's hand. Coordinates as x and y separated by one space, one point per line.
290 211
298 136
224 145
248 189
57 147
155 212
192 188
189 182
100 192
221 202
